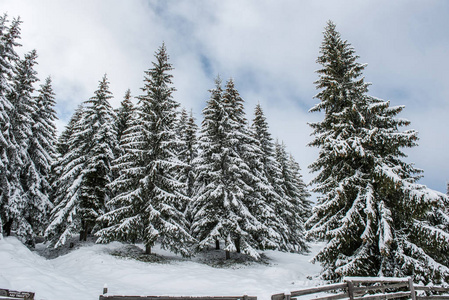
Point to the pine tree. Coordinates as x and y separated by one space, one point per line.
25 195
187 151
99 129
62 145
85 170
262 134
289 197
293 209
8 147
260 198
272 172
149 200
225 198
124 115
376 219
42 154
62 148
299 189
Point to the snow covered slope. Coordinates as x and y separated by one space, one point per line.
82 273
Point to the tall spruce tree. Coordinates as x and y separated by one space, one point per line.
100 131
225 200
149 197
62 148
62 145
85 170
289 214
42 154
292 209
262 134
8 146
299 189
187 150
125 114
376 219
248 149
24 178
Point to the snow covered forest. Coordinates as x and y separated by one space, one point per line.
147 173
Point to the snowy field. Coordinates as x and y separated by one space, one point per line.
81 274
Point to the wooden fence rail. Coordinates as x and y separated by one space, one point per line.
14 295
358 288
116 297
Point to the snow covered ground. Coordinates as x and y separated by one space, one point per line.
82 273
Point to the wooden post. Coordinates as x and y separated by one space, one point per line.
350 289
412 289
287 296
105 289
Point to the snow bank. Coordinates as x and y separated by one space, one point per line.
82 274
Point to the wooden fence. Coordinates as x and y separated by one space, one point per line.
358 288
107 297
14 295
103 297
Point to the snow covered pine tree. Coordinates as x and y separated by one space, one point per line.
287 216
376 218
84 170
25 201
125 115
42 155
149 201
187 151
8 147
295 206
228 197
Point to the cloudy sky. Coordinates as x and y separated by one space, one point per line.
268 47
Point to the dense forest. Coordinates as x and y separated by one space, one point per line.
146 172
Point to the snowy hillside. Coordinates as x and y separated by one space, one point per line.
82 273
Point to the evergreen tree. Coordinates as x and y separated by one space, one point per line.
293 208
99 129
25 195
124 115
42 154
85 170
288 198
62 148
261 194
187 150
262 134
149 199
224 201
272 172
376 218
8 147
299 189
62 145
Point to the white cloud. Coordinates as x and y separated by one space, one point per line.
268 47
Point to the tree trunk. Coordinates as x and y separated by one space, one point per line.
217 245
83 232
237 244
7 227
83 235
228 255
147 249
